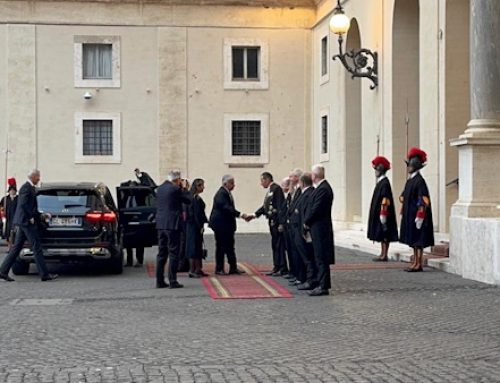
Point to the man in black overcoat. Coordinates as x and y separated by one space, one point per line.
223 223
273 203
26 221
302 239
144 178
297 269
382 225
318 221
169 199
417 229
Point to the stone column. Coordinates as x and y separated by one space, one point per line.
172 103
475 217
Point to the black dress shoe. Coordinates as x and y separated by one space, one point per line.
194 275
288 276
176 285
50 277
305 286
378 259
271 274
127 265
222 272
236 271
161 285
317 292
410 270
6 277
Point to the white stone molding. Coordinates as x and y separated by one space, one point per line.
324 157
80 82
263 81
324 78
264 139
115 158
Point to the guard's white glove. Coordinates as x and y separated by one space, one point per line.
419 222
383 219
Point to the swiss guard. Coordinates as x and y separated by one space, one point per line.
417 230
382 225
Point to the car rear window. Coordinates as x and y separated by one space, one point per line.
70 201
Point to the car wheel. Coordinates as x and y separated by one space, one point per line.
21 267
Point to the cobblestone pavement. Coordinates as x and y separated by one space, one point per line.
378 326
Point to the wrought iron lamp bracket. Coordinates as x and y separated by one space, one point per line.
357 63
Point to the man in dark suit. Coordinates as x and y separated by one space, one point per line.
318 221
297 268
302 241
273 202
223 223
144 178
169 199
26 220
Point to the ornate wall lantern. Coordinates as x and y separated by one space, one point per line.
356 62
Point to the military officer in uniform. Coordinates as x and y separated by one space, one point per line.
273 202
382 225
417 230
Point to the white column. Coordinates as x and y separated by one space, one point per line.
475 218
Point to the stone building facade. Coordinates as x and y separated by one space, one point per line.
231 86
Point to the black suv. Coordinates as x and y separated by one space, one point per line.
84 226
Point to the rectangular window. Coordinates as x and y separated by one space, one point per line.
97 137
97 61
324 134
245 137
324 56
245 62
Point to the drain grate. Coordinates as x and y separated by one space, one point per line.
40 302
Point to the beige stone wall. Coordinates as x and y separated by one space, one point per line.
332 95
3 104
171 100
58 101
285 102
434 78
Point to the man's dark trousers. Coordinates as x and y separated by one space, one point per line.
278 246
224 244
30 233
305 252
168 247
288 234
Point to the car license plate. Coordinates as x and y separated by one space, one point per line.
65 221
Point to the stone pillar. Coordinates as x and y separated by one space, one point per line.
172 103
475 217
21 100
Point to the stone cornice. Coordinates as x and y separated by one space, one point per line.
161 13
240 3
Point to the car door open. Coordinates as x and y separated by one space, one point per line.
137 212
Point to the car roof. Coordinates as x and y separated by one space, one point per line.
72 185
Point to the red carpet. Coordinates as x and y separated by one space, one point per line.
252 285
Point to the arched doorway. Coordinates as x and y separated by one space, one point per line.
405 85
353 114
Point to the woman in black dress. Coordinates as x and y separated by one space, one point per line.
9 204
196 219
382 225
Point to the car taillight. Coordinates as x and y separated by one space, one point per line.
109 217
96 217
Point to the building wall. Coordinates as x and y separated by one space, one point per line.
434 79
171 100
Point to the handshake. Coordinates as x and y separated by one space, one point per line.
248 217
